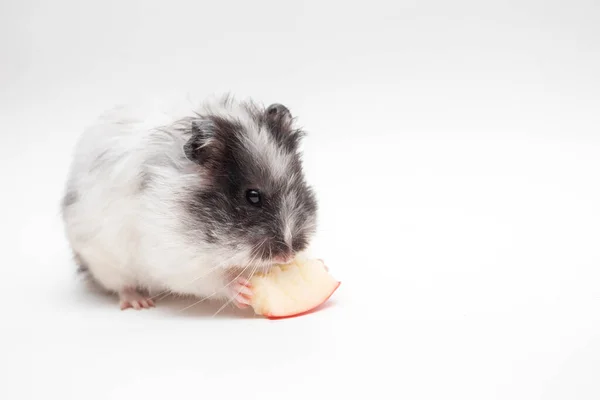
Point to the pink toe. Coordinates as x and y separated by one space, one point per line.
244 290
243 300
244 282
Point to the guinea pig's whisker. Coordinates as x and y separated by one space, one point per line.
252 260
255 267
230 300
165 293
198 302
232 297
162 294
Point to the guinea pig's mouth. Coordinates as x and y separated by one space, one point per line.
248 271
261 266
282 260
261 260
273 253
275 261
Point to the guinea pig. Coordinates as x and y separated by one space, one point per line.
191 202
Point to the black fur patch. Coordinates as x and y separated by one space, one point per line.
221 211
71 197
145 179
279 120
82 267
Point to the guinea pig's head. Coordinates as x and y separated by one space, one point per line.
254 206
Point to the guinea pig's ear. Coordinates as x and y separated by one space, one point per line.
278 117
202 147
280 123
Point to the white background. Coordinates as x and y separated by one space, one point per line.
455 148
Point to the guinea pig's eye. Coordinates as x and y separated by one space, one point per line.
253 196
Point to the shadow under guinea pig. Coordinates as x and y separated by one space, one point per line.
88 293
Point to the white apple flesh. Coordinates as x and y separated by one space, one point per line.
291 290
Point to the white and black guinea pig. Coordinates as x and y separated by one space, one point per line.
191 202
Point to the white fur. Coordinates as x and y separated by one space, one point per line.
259 141
288 217
132 237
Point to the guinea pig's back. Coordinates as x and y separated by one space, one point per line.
110 151
105 194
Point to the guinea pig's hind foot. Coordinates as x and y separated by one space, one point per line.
240 292
131 298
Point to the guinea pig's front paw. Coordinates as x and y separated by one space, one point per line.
240 292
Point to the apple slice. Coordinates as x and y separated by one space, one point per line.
293 289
